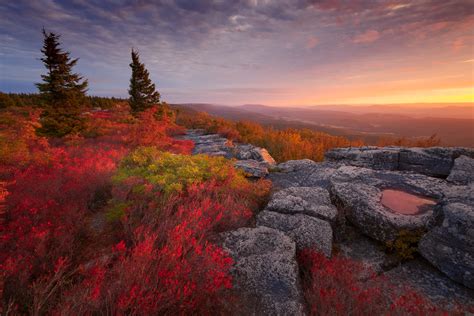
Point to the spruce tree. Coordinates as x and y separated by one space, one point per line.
142 90
62 90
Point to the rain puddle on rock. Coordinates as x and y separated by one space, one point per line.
405 203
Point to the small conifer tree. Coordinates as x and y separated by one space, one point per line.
142 90
62 90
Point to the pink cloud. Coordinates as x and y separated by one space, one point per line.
368 36
312 42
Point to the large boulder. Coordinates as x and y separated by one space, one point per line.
450 247
433 161
371 157
265 270
306 231
365 250
250 152
302 173
462 171
252 168
420 276
312 201
358 191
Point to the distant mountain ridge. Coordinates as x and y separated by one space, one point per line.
360 121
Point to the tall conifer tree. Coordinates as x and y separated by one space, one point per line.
142 90
62 90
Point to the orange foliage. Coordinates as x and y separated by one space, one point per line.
283 145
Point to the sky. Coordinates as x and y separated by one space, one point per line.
292 52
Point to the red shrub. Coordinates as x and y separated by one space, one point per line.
45 212
170 266
336 287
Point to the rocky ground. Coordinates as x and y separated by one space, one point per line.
336 205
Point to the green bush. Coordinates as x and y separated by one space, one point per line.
405 244
173 173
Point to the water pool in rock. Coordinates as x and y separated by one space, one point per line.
406 203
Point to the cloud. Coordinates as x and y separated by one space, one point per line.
312 42
368 36
198 44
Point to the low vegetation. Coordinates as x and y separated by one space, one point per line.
106 213
341 286
283 144
288 143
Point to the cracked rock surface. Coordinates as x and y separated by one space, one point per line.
336 206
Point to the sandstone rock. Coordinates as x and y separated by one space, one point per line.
250 152
265 267
306 231
462 171
302 173
365 250
359 192
295 165
428 281
430 161
450 247
312 201
373 157
252 168
433 161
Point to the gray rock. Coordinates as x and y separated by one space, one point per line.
450 247
296 165
265 267
250 152
302 173
306 231
358 191
215 145
373 157
428 281
433 161
312 201
252 168
360 248
462 171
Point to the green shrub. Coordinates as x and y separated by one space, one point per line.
173 173
405 245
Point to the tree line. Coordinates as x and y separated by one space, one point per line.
62 92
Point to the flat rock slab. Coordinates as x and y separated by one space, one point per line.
302 173
450 246
265 269
385 158
428 281
306 231
462 171
359 192
311 201
433 161
252 168
246 152
365 250
253 160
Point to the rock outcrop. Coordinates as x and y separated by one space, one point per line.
310 205
434 161
253 160
306 231
252 168
302 173
312 201
265 270
462 171
359 192
450 247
